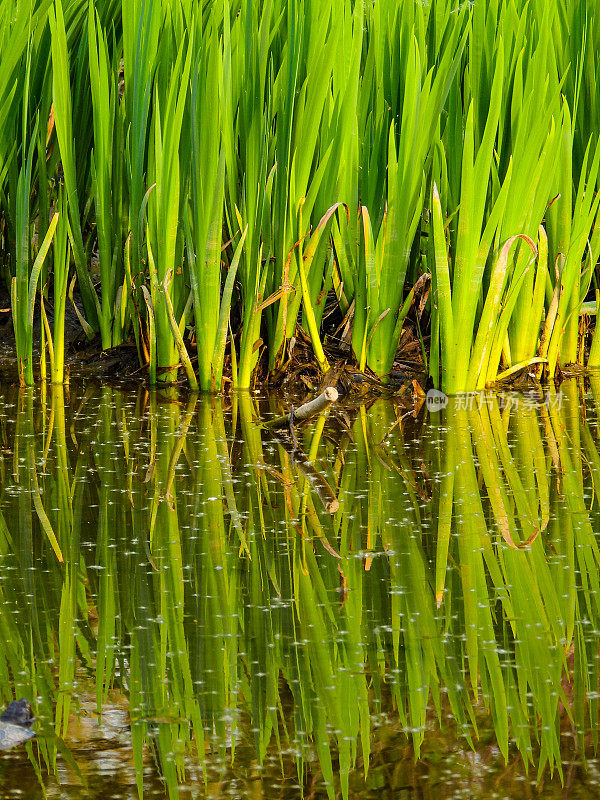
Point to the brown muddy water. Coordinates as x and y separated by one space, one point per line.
401 608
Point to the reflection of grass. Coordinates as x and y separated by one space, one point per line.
203 576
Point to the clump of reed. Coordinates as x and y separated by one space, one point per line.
226 170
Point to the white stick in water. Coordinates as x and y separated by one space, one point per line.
320 403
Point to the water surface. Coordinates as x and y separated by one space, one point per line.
403 607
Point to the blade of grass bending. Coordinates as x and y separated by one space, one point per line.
183 354
224 312
88 330
37 266
151 335
501 329
516 368
488 322
443 297
304 264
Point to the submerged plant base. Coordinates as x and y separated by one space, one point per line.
297 376
300 373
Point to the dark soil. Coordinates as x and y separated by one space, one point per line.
298 377
84 359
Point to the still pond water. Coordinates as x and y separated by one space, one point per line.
399 609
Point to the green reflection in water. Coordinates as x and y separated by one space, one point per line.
229 593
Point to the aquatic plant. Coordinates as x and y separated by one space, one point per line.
319 130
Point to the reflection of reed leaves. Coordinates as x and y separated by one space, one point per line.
31 471
39 509
495 461
478 622
224 585
179 445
